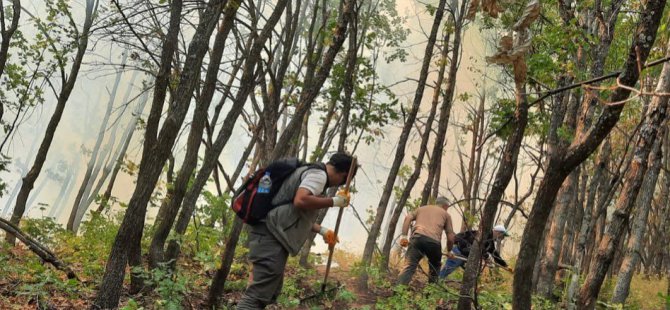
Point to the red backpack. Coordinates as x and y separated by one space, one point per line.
252 201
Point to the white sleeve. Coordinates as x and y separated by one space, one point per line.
314 180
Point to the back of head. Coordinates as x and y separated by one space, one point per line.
442 201
341 162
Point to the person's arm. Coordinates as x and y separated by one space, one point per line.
408 220
451 236
499 260
305 200
405 229
495 254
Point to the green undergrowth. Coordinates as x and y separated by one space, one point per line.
26 281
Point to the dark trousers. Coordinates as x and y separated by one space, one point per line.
268 257
419 247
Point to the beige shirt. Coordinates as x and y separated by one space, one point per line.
430 220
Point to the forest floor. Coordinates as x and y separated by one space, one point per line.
28 283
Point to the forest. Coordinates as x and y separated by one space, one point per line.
130 128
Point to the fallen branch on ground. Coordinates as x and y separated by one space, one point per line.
43 252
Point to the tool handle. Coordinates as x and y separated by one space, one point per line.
331 249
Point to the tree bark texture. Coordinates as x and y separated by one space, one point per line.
643 206
126 247
219 281
626 200
586 228
557 170
554 239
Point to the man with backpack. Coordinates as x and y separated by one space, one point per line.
288 224
459 254
430 221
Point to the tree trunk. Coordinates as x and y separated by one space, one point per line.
110 161
71 225
212 154
413 178
44 253
320 149
632 183
350 75
503 176
586 227
644 202
423 148
605 194
305 136
64 191
175 195
371 241
219 281
580 150
568 256
68 84
316 77
348 88
272 96
445 109
125 143
7 36
552 248
126 245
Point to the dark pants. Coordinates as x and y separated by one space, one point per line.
419 247
268 257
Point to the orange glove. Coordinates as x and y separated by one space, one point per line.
329 236
403 241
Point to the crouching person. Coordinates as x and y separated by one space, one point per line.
430 222
459 254
287 227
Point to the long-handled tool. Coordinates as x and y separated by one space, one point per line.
465 259
331 249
